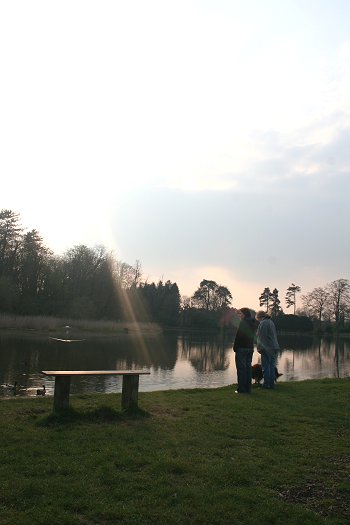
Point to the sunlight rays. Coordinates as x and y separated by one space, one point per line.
133 310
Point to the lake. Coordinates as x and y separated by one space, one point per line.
175 361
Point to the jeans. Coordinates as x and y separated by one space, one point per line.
243 359
268 363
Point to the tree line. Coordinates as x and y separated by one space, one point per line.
326 307
84 282
91 283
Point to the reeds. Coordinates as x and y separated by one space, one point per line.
58 324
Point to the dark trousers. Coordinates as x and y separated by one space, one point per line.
244 369
268 363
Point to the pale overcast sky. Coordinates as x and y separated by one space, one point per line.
207 139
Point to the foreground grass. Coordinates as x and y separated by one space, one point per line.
188 457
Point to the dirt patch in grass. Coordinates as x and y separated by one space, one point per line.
329 495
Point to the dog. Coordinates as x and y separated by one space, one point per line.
257 373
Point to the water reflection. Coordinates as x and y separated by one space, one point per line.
320 358
185 361
204 355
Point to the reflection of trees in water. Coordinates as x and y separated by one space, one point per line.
290 342
339 353
289 366
157 352
22 359
19 360
323 358
205 356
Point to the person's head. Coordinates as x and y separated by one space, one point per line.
260 315
245 312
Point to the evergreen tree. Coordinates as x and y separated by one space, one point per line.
211 296
10 239
292 290
33 271
265 298
275 307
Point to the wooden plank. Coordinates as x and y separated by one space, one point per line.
130 391
61 395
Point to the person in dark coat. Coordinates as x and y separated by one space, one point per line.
243 347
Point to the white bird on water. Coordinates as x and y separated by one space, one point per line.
66 340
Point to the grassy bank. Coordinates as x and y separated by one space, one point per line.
189 457
57 325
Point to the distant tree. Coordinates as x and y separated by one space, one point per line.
104 289
265 298
8 295
224 297
292 290
11 233
275 307
316 302
160 303
137 273
185 302
293 323
168 304
34 259
126 275
52 295
82 267
211 296
339 299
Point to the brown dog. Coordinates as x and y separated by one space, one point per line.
257 373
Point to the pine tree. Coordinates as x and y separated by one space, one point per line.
275 307
292 290
265 298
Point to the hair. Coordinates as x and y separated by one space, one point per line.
262 315
245 311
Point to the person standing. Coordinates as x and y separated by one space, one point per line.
243 347
267 345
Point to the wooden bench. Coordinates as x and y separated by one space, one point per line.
130 386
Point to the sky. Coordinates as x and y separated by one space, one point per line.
205 139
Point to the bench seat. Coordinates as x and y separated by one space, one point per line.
130 386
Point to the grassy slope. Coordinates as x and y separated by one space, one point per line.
193 457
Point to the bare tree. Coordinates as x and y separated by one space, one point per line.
316 303
339 299
138 273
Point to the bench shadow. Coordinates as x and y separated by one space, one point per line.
99 415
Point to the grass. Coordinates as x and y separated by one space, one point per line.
186 457
78 326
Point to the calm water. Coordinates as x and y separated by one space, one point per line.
174 361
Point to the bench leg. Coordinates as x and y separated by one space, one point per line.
61 396
130 391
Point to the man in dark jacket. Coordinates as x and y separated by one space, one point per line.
244 347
